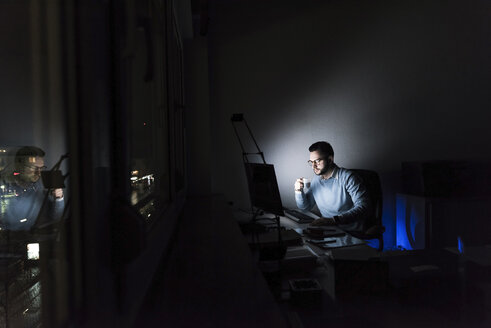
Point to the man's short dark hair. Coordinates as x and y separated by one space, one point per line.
324 148
22 155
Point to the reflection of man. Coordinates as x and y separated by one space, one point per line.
338 193
23 194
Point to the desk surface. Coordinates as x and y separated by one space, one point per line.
336 241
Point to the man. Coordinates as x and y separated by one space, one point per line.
339 194
23 193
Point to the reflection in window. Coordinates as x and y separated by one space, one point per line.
147 97
33 193
27 201
32 215
141 186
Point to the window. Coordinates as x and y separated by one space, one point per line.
34 196
152 84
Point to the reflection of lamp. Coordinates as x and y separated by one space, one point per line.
54 179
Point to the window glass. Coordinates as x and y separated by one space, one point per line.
175 55
148 131
34 192
142 141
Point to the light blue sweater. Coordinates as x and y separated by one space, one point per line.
342 195
21 206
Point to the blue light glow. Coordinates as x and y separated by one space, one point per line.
410 221
401 234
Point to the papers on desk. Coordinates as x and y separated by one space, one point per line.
329 243
330 237
295 252
324 232
299 258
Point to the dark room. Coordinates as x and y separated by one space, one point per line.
245 163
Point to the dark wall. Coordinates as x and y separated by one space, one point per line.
383 81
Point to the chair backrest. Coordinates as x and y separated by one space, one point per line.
372 183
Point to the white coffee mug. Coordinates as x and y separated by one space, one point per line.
306 183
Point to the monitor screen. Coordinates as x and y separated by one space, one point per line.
263 188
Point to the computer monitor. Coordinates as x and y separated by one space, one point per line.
263 188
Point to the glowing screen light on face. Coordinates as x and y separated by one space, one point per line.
33 251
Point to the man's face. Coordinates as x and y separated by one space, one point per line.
30 171
320 164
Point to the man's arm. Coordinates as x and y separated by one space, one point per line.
305 200
357 213
361 201
56 205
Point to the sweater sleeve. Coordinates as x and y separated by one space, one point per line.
361 201
54 209
305 201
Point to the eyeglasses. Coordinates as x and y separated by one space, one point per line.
315 161
36 168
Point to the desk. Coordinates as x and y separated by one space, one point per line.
393 305
335 262
335 270
287 224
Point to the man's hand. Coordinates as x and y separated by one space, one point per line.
323 222
299 184
57 193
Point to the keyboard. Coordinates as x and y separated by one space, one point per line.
298 216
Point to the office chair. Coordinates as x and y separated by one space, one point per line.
374 227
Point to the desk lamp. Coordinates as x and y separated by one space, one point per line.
263 187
